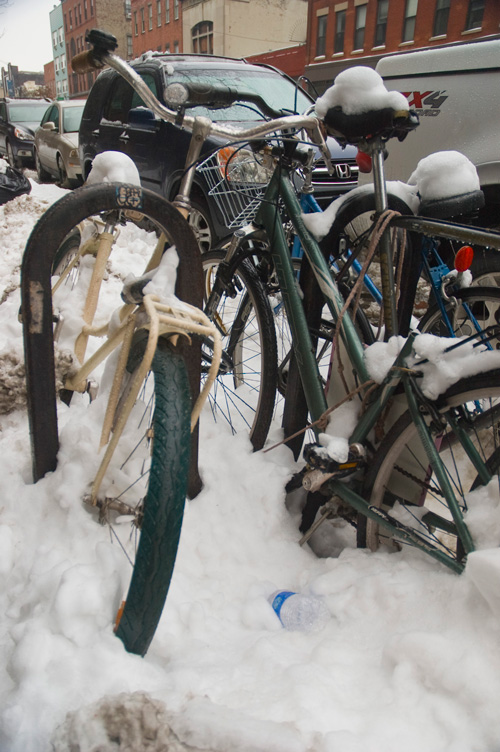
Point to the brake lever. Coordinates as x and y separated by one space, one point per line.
317 136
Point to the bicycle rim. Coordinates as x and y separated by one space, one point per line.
243 395
401 482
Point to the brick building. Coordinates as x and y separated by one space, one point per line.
80 16
360 32
156 25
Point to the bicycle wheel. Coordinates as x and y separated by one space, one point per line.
469 310
243 395
400 482
144 490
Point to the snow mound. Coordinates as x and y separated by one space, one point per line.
444 174
113 167
357 90
127 722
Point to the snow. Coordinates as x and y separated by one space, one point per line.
113 167
410 658
359 89
444 174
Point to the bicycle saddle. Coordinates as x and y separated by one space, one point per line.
366 126
452 206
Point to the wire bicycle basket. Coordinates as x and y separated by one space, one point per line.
237 182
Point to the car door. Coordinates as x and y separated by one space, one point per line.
3 126
47 139
127 126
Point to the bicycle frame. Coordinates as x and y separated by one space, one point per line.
280 186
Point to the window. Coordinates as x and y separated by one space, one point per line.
158 12
474 15
128 9
136 27
176 10
56 65
150 17
408 34
441 18
91 7
70 20
321 36
143 23
54 39
130 46
381 23
359 27
63 61
176 47
85 9
60 34
167 11
202 37
167 47
338 44
79 14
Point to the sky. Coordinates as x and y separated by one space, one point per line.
25 38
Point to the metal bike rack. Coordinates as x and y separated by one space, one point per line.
37 322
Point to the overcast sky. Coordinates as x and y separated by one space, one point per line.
25 38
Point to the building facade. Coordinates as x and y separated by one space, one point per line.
80 16
239 28
156 26
59 53
360 32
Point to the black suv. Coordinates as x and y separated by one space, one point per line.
114 119
19 118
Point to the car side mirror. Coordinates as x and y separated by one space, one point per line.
49 126
142 117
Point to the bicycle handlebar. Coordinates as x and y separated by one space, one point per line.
101 55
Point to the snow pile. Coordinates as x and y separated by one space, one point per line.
441 370
319 223
444 174
409 660
359 89
113 167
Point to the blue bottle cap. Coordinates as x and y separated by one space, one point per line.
280 598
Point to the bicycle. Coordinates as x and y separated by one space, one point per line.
351 481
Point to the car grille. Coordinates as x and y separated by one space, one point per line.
343 173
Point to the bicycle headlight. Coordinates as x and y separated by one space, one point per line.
241 166
22 135
176 94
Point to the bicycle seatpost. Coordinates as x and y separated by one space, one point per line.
377 149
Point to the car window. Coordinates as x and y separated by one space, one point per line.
280 93
124 98
51 116
71 118
3 112
27 113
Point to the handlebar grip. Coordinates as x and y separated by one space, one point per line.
85 62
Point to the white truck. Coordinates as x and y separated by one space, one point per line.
456 92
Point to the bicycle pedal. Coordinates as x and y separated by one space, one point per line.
318 459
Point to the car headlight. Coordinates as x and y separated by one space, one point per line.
241 166
22 135
73 154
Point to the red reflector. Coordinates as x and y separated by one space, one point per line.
364 161
463 258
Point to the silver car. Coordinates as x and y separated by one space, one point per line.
56 143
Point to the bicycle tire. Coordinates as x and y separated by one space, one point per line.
481 302
163 503
396 478
244 392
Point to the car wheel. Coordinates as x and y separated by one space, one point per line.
63 175
43 175
199 220
10 156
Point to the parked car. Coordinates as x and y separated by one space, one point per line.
56 143
115 119
18 120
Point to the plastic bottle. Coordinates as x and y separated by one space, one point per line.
298 612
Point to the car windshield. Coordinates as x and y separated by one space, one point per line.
278 92
27 113
71 118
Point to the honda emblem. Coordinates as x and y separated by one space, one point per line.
343 171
